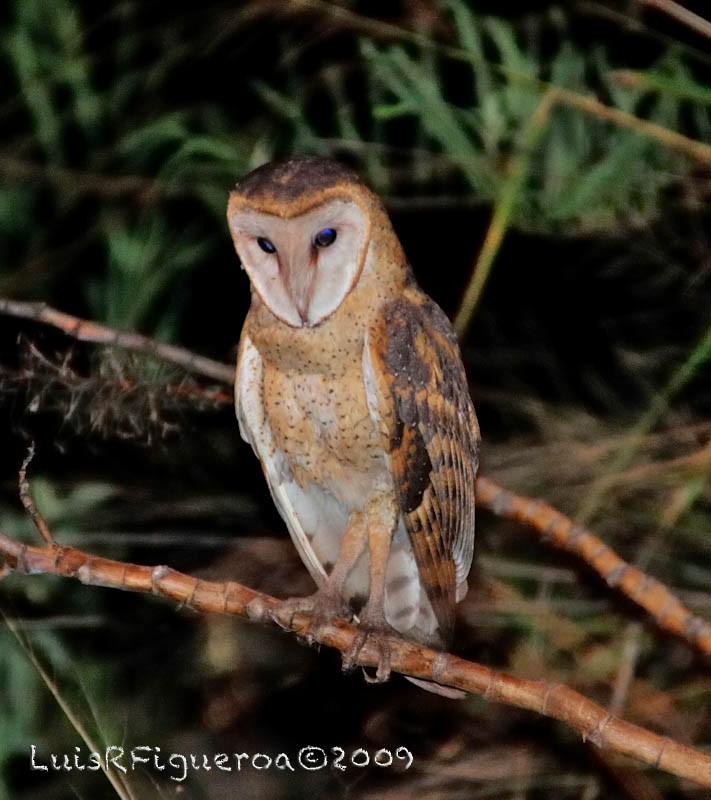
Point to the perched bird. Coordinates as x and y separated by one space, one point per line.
351 391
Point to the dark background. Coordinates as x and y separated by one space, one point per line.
124 127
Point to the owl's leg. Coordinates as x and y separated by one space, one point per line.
382 522
327 602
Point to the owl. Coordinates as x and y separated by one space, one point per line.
351 391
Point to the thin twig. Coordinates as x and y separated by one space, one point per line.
592 721
694 149
110 186
28 502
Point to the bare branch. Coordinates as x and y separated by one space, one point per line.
683 15
666 609
86 331
84 182
593 722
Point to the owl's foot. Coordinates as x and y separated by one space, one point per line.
350 657
372 624
322 606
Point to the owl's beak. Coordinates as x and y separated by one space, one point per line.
299 283
301 297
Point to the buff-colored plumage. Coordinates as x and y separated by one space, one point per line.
351 390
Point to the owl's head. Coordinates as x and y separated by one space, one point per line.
302 229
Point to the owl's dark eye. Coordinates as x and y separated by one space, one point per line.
325 237
266 245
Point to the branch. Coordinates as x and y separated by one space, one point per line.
86 331
681 14
84 182
592 721
668 612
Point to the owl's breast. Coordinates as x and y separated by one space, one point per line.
321 425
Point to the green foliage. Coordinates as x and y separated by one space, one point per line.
696 360
45 701
22 699
28 712
593 174
150 166
587 174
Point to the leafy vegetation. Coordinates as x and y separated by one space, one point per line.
126 126
590 174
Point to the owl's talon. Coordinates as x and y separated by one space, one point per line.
350 657
382 673
282 616
322 607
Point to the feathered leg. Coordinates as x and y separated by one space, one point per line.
327 601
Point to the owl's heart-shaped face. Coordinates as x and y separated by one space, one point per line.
302 267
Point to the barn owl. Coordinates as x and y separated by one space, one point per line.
351 391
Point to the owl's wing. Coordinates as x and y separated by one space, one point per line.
418 396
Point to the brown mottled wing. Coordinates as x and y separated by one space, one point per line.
430 431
